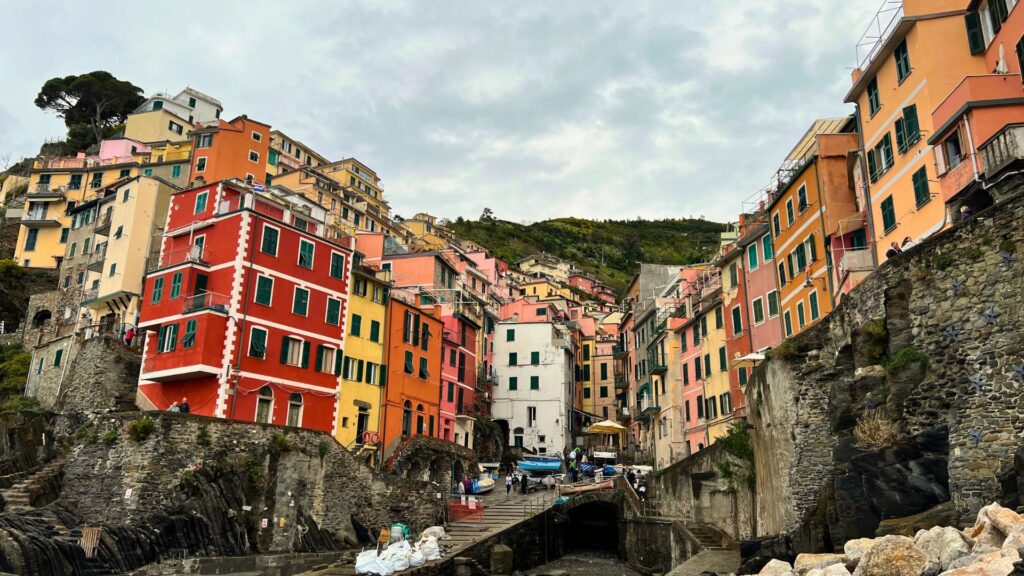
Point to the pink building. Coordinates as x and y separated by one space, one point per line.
592 286
759 278
458 378
694 424
528 309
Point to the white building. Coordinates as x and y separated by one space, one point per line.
533 365
190 105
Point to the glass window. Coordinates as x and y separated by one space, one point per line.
337 265
758 307
258 343
268 245
306 253
752 257
534 382
773 304
176 285
333 311
158 289
200 203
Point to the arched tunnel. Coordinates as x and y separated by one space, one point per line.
593 526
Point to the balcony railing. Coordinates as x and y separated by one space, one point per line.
97 258
187 255
855 261
619 351
207 301
621 382
1002 149
485 375
103 223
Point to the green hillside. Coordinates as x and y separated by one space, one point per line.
588 243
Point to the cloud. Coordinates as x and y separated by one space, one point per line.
536 110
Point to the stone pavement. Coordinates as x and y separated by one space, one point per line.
717 561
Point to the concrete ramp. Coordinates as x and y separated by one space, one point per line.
717 561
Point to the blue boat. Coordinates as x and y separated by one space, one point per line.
540 464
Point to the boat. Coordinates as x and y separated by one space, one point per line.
535 464
582 487
484 485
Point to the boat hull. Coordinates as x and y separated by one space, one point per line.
583 487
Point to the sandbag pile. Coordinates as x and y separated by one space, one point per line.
991 547
398 556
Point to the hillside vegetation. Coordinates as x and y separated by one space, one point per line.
588 243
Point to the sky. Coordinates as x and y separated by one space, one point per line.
535 109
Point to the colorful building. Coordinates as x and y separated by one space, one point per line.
458 379
245 311
413 391
813 196
363 368
223 150
901 77
287 155
163 117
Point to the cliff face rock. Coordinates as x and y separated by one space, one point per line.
162 484
906 397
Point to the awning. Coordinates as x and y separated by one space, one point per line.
606 427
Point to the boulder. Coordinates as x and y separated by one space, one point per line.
892 556
836 570
1015 539
1003 518
988 539
857 548
776 568
943 546
806 562
943 514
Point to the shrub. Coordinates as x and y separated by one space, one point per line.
140 429
1008 246
786 350
737 441
279 444
323 449
942 261
87 433
110 437
203 437
873 336
875 431
904 358
19 403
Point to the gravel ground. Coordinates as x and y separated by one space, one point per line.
591 563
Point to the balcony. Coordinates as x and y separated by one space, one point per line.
647 409
1004 148
173 367
92 293
96 259
103 224
858 260
619 351
624 414
187 255
38 218
658 367
207 301
484 376
621 382
959 176
44 193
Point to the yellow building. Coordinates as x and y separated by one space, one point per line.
362 373
287 155
546 290
428 234
156 126
9 187
587 399
901 79
125 231
717 397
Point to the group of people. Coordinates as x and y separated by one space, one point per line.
183 407
895 249
574 459
519 481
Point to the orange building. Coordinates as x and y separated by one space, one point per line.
412 393
224 150
921 55
813 198
978 125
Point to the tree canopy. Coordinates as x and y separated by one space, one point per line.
93 102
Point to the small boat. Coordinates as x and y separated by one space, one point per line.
484 485
534 464
581 487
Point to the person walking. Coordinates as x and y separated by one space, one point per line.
129 336
508 484
523 484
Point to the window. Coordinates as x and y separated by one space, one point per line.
175 127
707 365
189 340
510 335
512 358
201 164
513 383
801 198
374 331
328 360
158 289
294 352
788 321
424 373
64 235
921 193
300 301
256 136
408 362
789 212
586 393
175 286
908 131
254 156
264 290
700 406
800 320
306 254
758 306
97 180
775 224
30 239
204 141
742 372
119 232
888 215
737 321
535 358
801 257
719 321
295 409
333 312
686 373
604 371
603 391
265 405
698 372
813 299
734 276
167 338
773 304
357 325
902 56
337 265
1020 52
723 363
359 287
952 152
874 103
200 203
268 244
57 357
531 416
752 256
975 35
534 382
258 342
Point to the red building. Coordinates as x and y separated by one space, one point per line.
458 379
245 310
413 390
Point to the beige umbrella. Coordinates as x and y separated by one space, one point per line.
606 427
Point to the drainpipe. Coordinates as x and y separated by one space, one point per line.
867 188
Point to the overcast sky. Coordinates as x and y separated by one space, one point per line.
534 109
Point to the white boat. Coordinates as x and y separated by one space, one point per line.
484 484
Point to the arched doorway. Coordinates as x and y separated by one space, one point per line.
40 317
295 410
265 405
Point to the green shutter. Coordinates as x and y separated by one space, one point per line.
173 335
888 214
910 124
374 331
359 370
534 358
337 362
269 243
513 383
319 357
158 289
305 354
264 289
872 166
305 254
510 335
161 334
357 324
921 193
534 382
513 359
300 303
284 349
901 136
333 311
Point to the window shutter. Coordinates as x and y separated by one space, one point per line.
359 371
338 362
872 166
910 124
383 375
174 336
901 136
319 357
975 39
305 354
160 340
405 328
284 349
416 330
1020 52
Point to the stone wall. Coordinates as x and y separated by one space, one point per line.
932 343
104 374
202 486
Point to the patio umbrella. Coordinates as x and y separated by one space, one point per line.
606 427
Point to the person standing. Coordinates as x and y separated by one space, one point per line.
184 408
508 484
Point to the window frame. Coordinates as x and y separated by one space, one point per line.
263 239
755 304
266 339
295 301
312 253
256 292
202 199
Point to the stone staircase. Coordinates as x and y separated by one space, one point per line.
26 493
710 538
